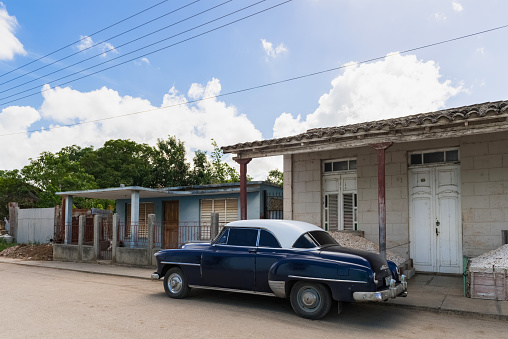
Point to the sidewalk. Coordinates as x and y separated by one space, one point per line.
425 292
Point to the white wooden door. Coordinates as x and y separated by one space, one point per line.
434 218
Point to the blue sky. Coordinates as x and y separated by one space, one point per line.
294 39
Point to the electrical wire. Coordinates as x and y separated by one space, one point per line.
94 45
90 35
144 55
263 85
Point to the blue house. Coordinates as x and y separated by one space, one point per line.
181 213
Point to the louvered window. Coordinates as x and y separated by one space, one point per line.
145 208
340 210
227 209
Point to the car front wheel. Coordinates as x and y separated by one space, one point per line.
175 283
310 300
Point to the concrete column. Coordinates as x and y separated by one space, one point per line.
68 219
151 228
96 235
243 186
81 235
115 237
214 225
134 216
381 148
287 187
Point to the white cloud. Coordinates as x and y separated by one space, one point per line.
145 60
394 87
195 124
106 47
481 50
272 52
439 16
457 7
10 44
86 42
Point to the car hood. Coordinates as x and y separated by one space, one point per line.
376 261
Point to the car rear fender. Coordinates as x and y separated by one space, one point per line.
342 279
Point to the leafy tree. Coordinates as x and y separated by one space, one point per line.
13 188
221 171
201 173
275 177
52 173
118 162
169 168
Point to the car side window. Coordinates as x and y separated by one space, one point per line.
305 241
223 238
243 237
267 239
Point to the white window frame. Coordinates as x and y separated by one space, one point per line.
346 181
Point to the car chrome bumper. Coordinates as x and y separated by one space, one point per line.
393 291
155 276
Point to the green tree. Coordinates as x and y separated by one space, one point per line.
221 171
201 172
13 188
169 168
52 173
275 177
118 162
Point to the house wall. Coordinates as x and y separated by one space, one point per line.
189 207
484 172
484 187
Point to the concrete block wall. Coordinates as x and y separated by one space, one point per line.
484 175
484 190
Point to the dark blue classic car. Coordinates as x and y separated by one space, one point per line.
281 258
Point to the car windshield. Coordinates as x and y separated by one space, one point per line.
314 239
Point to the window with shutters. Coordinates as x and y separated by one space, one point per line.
145 208
227 209
340 205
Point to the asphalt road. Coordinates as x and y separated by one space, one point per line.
38 302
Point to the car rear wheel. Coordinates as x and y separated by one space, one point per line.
310 300
175 283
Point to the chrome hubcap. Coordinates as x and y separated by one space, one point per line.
175 283
309 298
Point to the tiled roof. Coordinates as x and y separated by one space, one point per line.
439 118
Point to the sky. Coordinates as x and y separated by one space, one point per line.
84 72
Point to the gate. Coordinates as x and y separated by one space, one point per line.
105 238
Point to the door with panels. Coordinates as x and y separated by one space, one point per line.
434 218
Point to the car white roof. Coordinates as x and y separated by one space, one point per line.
286 231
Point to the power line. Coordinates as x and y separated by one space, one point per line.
90 35
144 55
109 50
87 48
265 85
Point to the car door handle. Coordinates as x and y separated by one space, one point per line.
253 250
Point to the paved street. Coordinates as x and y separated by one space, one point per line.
43 303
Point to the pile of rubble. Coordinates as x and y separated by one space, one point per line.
359 243
29 252
497 258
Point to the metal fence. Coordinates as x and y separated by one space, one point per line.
174 236
273 205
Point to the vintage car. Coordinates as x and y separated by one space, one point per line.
283 258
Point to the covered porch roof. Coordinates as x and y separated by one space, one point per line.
120 193
489 117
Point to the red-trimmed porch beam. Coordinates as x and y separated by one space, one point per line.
243 186
381 198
